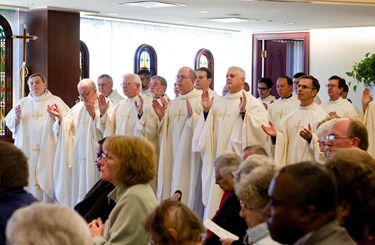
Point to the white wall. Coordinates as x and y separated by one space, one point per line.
112 45
334 51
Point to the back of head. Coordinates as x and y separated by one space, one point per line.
227 162
174 223
249 164
299 74
136 159
354 171
14 170
47 224
314 186
359 130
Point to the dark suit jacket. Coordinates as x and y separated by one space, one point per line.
229 218
96 202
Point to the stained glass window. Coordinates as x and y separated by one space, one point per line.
2 82
204 58
5 76
145 57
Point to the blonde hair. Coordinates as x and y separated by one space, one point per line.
135 159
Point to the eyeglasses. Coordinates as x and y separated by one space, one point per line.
181 77
126 84
331 85
262 88
81 96
304 86
333 138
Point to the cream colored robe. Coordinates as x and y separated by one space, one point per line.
225 130
342 107
35 137
178 165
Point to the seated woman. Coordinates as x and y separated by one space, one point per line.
128 163
47 224
227 216
173 223
354 172
252 191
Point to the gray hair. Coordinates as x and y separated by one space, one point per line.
227 163
106 76
47 224
253 188
86 82
161 79
249 164
134 78
240 71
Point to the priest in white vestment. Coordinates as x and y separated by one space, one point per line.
232 122
105 87
132 116
287 102
32 128
158 86
75 171
336 104
295 133
144 75
264 88
203 81
296 78
178 164
368 119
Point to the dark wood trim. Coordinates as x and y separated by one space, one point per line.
153 57
211 63
257 49
85 60
8 73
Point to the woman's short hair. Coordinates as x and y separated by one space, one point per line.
14 169
136 159
177 216
227 163
47 224
253 188
249 164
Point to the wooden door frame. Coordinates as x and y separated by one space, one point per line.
257 49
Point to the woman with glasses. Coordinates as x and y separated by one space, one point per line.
227 216
128 163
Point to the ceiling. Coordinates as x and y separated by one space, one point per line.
262 15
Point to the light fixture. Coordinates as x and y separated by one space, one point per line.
230 20
152 4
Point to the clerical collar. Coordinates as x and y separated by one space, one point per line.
288 96
109 94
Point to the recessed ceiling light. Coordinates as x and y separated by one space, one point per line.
203 12
152 4
229 20
290 23
27 4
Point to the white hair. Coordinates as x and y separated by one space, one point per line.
47 224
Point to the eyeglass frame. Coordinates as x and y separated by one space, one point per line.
81 96
331 86
333 138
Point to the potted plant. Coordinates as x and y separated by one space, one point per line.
363 71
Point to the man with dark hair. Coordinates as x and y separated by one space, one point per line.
295 131
287 102
144 75
14 174
303 207
296 78
203 81
345 93
336 104
105 87
264 90
346 133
